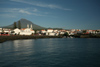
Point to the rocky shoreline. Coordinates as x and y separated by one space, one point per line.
17 37
86 36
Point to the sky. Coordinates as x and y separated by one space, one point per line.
66 14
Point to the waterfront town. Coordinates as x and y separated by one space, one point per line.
48 32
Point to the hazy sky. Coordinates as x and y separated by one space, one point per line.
67 14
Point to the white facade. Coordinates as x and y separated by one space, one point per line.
71 33
0 29
52 34
55 30
57 34
5 30
47 33
43 31
16 31
73 30
50 30
62 32
27 31
24 31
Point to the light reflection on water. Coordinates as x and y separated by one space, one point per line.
64 52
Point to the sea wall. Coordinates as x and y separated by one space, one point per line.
86 36
6 38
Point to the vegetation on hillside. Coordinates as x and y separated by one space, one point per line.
19 25
14 26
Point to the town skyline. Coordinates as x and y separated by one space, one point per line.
68 14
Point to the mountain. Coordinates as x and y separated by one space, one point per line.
24 23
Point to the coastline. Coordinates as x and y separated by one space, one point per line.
17 37
86 36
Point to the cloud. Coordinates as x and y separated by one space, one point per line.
7 15
13 11
35 10
23 11
30 13
40 4
8 9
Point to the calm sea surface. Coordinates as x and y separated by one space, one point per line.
53 52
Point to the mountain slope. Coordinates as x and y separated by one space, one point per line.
24 23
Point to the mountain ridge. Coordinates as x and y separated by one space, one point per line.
24 23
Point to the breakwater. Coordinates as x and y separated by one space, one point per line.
86 36
7 38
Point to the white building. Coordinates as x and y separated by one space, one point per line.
0 29
62 32
57 34
24 31
50 30
51 34
73 30
71 33
5 30
27 31
16 31
43 31
55 30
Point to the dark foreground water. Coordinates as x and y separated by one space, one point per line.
53 52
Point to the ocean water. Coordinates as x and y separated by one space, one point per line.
51 52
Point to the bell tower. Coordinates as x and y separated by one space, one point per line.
31 26
27 25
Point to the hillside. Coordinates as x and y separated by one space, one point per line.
24 23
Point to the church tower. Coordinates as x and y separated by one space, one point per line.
31 26
27 25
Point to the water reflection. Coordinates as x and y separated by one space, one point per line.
23 43
23 47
